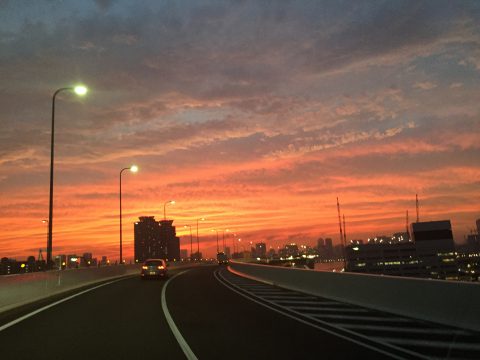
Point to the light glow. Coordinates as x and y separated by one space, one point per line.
80 90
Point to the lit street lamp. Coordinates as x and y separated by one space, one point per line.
191 241
79 90
198 242
217 239
133 169
165 208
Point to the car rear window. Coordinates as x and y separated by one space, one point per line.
153 263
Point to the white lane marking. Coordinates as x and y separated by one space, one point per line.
328 309
358 342
431 343
408 330
24 317
359 317
181 341
283 297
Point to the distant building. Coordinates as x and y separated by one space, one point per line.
8 266
228 251
430 253
196 255
169 237
183 254
320 243
261 250
435 248
60 261
147 240
73 261
291 250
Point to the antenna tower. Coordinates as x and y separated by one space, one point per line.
416 202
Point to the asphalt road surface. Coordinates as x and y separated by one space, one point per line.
125 320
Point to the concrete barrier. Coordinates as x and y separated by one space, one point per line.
20 289
447 302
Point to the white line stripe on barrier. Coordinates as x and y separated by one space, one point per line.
225 283
431 343
408 330
363 318
328 309
24 317
181 341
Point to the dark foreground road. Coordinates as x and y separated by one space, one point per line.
125 320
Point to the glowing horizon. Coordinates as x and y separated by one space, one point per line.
255 117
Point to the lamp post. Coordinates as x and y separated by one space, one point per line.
46 222
133 169
223 238
198 242
79 90
165 208
191 241
217 239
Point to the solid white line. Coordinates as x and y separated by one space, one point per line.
408 330
430 343
24 317
181 341
327 309
224 283
359 317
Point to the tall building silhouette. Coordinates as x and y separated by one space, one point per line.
169 236
147 240
155 239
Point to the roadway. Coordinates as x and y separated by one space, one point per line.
218 315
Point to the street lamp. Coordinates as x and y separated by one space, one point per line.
79 90
165 208
133 169
217 239
198 242
223 238
191 241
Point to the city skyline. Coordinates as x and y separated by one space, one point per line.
255 116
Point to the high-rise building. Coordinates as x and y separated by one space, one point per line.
169 237
329 248
478 226
183 254
261 250
147 240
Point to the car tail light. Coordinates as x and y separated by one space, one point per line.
144 267
161 267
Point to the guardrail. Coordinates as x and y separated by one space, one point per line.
447 302
20 289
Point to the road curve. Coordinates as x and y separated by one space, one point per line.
126 320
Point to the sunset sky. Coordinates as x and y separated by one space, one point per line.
253 114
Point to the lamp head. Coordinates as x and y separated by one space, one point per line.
80 90
134 168
172 202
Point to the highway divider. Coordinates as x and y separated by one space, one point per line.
21 289
447 302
